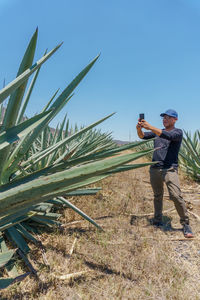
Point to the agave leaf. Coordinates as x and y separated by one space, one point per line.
17 194
70 88
14 221
116 150
25 233
75 186
1 112
56 107
11 87
5 257
83 192
51 149
43 207
61 100
189 155
14 102
10 266
59 136
66 133
16 237
24 146
20 216
54 135
52 216
187 159
56 201
15 133
80 212
189 166
64 167
15 99
27 97
28 94
191 146
198 134
130 167
50 101
192 151
65 156
104 153
47 222
32 229
17 216
5 282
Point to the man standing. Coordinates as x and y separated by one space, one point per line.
167 144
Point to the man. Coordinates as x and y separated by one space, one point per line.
167 144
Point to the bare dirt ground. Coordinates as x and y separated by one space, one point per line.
130 259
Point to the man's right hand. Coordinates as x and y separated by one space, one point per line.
139 130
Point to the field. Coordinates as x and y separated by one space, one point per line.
130 259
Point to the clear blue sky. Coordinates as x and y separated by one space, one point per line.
150 58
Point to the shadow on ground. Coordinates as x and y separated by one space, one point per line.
167 226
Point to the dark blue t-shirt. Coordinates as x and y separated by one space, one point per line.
169 143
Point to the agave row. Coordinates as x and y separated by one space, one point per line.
189 158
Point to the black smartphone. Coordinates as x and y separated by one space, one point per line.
141 117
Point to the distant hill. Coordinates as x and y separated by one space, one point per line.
118 142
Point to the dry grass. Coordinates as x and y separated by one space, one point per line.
129 260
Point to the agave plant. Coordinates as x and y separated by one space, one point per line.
81 144
189 158
146 146
40 168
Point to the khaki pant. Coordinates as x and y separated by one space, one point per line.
170 177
